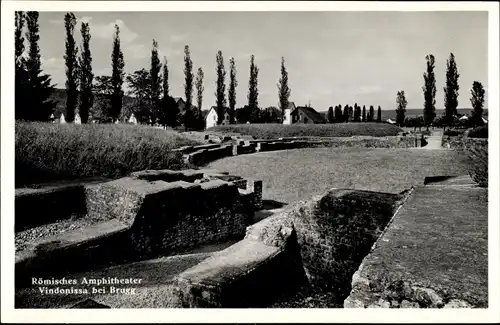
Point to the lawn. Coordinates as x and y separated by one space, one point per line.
293 175
46 152
274 131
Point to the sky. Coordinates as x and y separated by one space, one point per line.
332 57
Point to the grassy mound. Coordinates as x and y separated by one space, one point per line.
273 131
46 152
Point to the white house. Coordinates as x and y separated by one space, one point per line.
132 119
78 119
62 119
212 116
390 121
288 113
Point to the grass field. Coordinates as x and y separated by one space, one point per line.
46 152
293 175
273 131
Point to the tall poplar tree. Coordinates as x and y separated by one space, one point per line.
199 88
38 105
283 88
70 57
233 83
117 76
253 92
429 89
154 73
86 76
220 94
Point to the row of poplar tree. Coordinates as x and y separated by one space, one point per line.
451 89
353 114
149 87
356 114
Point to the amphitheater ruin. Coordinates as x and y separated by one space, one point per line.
203 238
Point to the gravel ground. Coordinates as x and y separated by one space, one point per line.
32 235
308 299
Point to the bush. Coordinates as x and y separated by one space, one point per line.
477 152
479 132
46 152
453 132
274 131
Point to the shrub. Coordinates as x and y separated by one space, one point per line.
273 131
46 152
453 132
479 132
477 153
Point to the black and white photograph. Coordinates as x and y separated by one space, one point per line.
187 157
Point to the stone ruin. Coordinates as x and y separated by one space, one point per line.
145 226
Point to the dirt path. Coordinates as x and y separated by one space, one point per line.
433 142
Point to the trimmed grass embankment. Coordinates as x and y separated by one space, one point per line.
274 131
299 174
48 152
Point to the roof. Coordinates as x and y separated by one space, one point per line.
291 106
206 112
177 99
311 114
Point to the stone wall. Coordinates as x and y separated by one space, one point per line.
38 207
252 273
334 231
173 216
201 155
147 214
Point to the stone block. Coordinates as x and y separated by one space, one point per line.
188 175
246 274
50 206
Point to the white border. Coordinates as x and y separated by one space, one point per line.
9 314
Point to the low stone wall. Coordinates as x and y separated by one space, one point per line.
462 142
38 207
204 156
252 273
101 244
